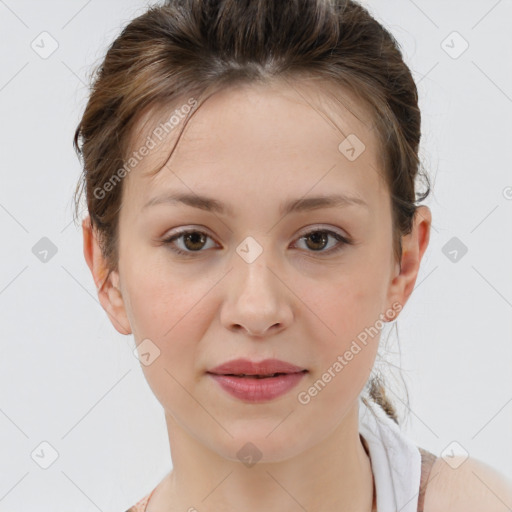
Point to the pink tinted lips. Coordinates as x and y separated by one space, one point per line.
253 381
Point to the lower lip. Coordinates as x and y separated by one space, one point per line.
252 389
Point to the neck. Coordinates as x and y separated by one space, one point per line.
334 474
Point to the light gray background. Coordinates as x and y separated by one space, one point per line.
69 379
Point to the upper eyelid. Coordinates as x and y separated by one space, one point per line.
304 231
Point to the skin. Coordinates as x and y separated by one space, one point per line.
472 487
253 147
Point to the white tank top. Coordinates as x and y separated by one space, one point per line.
395 460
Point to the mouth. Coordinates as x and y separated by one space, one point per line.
257 376
257 381
253 388
266 368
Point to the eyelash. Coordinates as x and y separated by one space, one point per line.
344 241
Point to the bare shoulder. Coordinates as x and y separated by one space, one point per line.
467 485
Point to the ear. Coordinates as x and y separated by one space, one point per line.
413 247
108 290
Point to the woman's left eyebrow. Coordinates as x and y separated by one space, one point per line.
325 201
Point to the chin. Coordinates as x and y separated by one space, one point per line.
263 444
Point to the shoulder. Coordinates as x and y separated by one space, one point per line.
467 485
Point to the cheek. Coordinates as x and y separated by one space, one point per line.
348 320
161 299
173 317
348 304
345 351
173 311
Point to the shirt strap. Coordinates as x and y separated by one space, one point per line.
427 461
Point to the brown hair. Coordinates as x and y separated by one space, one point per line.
186 48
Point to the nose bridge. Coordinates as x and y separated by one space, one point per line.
252 266
256 300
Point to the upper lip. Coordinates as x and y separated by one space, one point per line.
247 367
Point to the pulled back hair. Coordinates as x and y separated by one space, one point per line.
194 48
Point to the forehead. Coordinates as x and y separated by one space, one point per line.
251 138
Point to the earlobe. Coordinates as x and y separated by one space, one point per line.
414 246
107 283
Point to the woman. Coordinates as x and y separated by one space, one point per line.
250 172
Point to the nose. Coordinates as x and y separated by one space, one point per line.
257 299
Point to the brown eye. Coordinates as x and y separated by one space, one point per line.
317 240
192 241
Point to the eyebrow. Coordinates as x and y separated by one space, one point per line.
295 205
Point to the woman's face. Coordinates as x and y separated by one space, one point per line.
256 282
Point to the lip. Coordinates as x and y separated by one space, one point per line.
248 367
254 389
